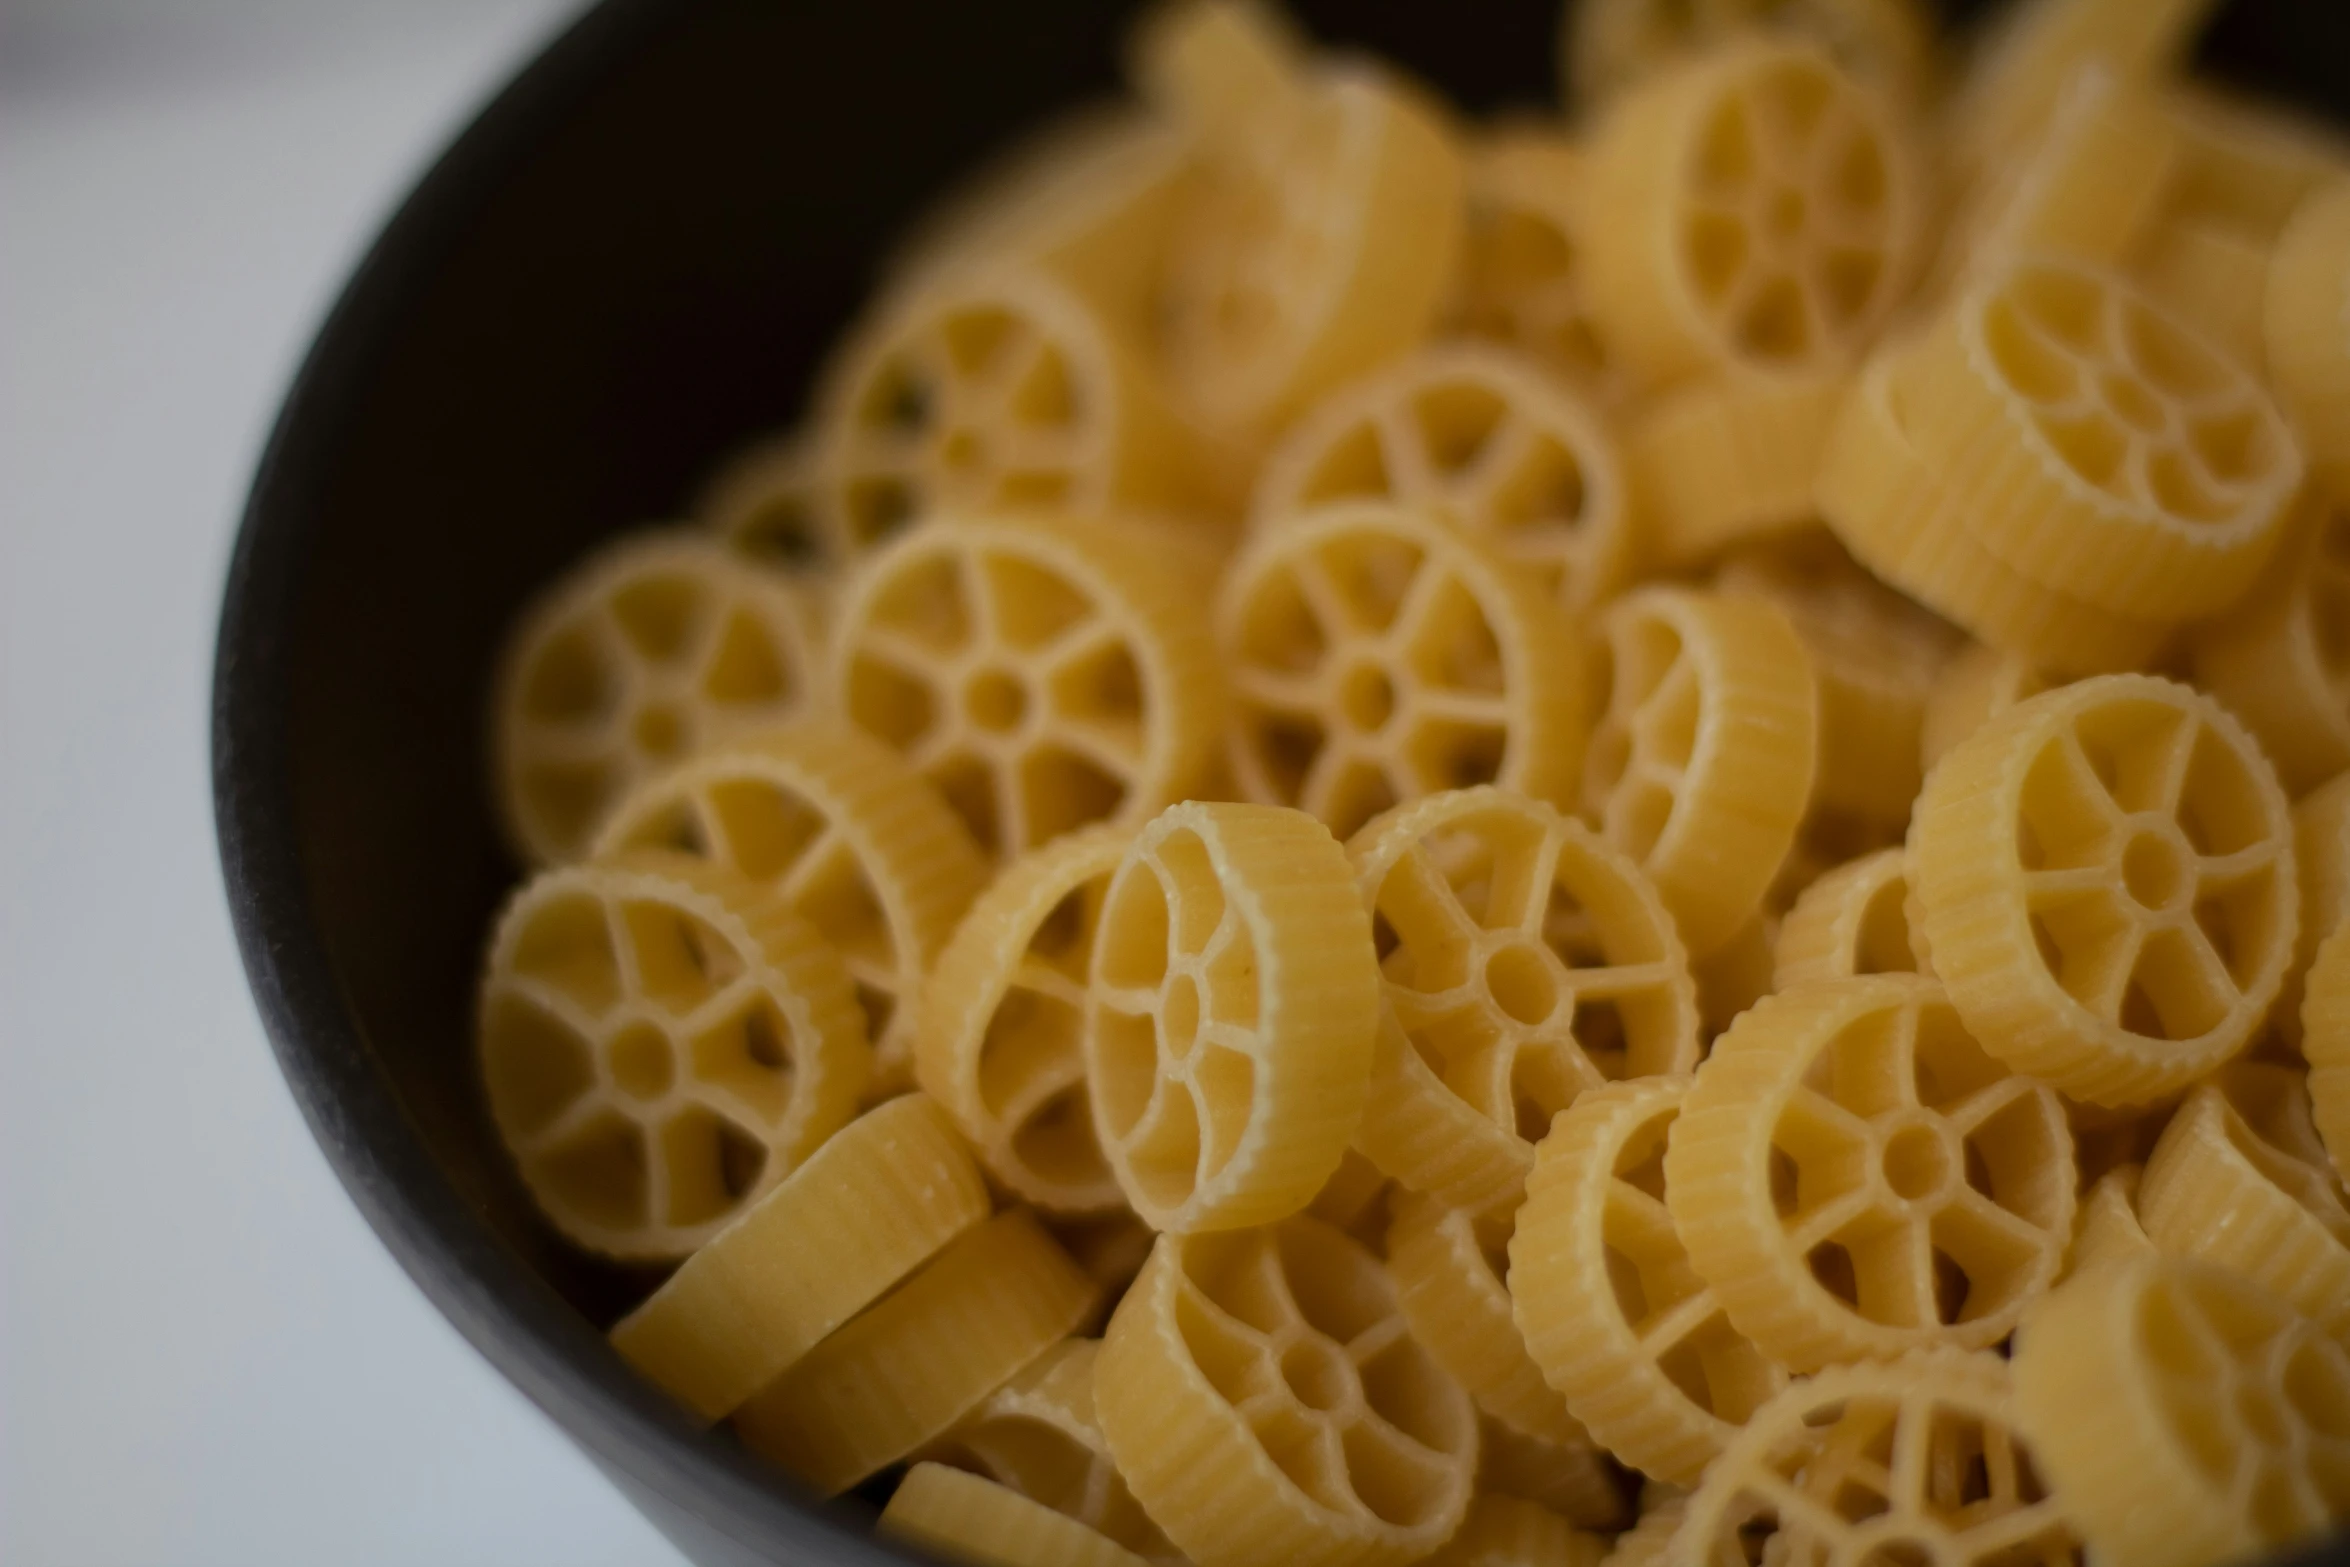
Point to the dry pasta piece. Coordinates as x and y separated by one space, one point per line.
1728 460
2185 1416
905 1370
1522 268
1482 435
1378 654
2308 342
968 1518
1755 210
867 1208
1579 1480
851 836
1037 1435
2321 846
1649 1542
1002 388
1229 1015
1044 672
1702 762
645 652
1002 1013
1525 962
1611 44
1897 514
2281 662
1977 685
2325 1040
1216 66
1878 658
1506 1531
2108 1229
2096 441
662 1042
1452 1268
1266 1403
1612 1311
763 502
1857 1177
2106 883
1919 1460
1854 920
2215 277
2218 1190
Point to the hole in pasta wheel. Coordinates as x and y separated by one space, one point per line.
1609 757
1917 1163
659 616
1367 698
680 961
1727 157
574 680
2156 871
568 944
2133 404
2038 371
997 700
1521 983
1785 212
1058 1142
1831 1268
744 669
711 1163
1457 421
1776 323
1317 1374
659 732
1179 1015
600 1172
2262 1417
1030 1037
1718 251
1287 745
1602 1033
537 1066
1900 1553
1353 467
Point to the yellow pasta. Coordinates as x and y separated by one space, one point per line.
1376 654
1703 758
1043 672
971 1519
763 502
1111 1248
1755 210
2321 847
1504 1531
1854 920
1483 436
645 652
866 1209
2308 344
2184 1416
1855 1176
662 1042
1002 1015
1728 460
1611 44
2281 662
1037 1435
1922 1456
1522 268
2108 1229
1355 1200
906 1369
1525 962
1612 1312
1977 685
1266 1404
1229 1015
1578 1480
2325 1040
854 840
1216 66
1737 975
1649 1542
2107 888
2215 277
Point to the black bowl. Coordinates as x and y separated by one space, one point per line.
630 262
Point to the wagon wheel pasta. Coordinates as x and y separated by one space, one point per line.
1977 685
1728 460
662 1043
1377 654
962 1515
1504 1531
1229 1015
1522 268
1525 962
1755 210
2308 348
906 1369
1922 1458
1485 437
1214 67
1737 975
642 654
852 838
2281 662
1857 1177
1854 920
763 502
1043 672
2108 1229
2222 1425
1612 1311
867 1208
1002 1012
1702 761
1266 1403
1451 1268
2325 1040
1612 44
2105 874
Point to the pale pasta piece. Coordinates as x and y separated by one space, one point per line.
2108 1229
998 1043
2308 339
1522 270
2219 1190
2325 1040
1266 1403
1649 1542
905 1370
1914 1192
662 1042
1755 210
1483 436
1229 1015
1702 762
1977 685
867 1208
2184 1416
1037 1435
1728 460
644 653
1854 920
2106 881
2095 440
854 839
2281 662
1579 1480
1377 654
2321 848
1609 45
963 1516
1216 66
762 500
2215 277
1505 1531
1922 1455
1044 672
1612 1312
1452 1269
1525 962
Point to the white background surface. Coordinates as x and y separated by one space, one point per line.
204 1355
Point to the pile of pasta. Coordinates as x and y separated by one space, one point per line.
1614 838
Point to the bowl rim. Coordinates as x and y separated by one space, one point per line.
534 1338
